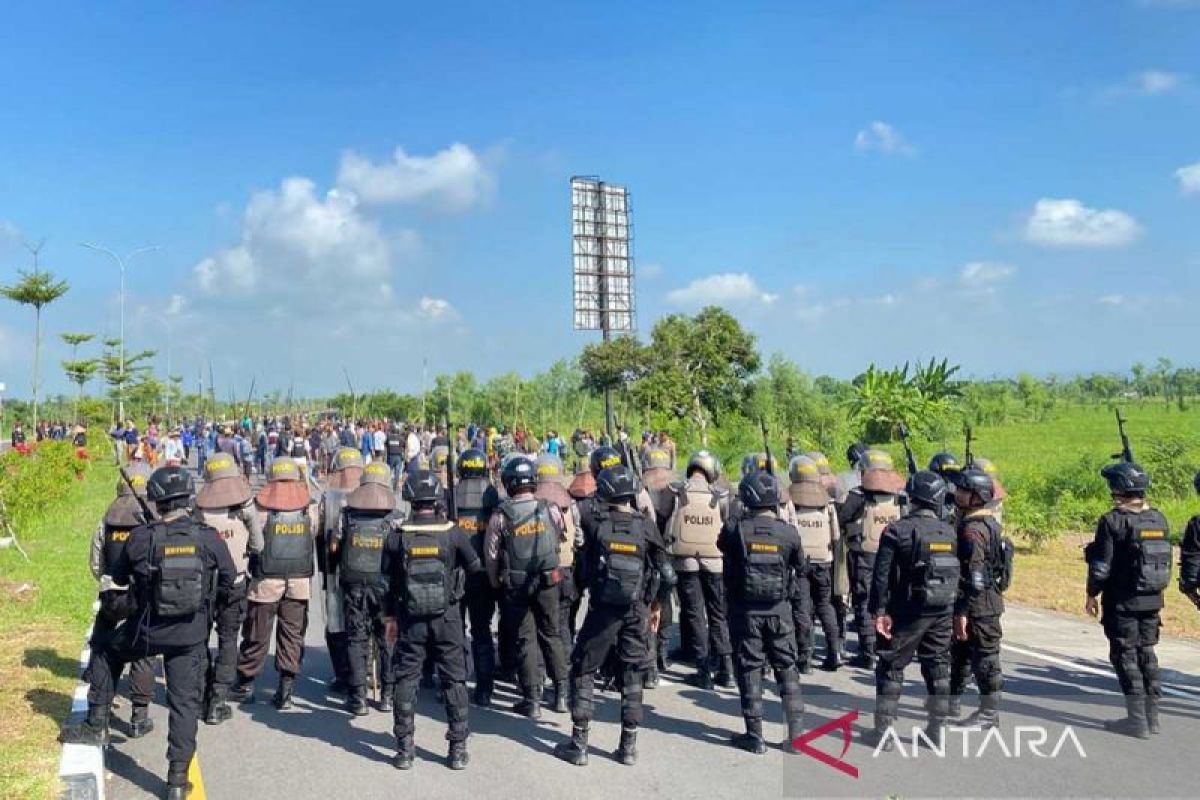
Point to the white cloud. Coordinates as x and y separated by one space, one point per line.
884 138
1068 223
1145 83
1189 178
176 304
294 243
1112 299
725 288
453 179
1156 81
984 275
435 308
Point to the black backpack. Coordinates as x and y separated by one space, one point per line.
765 579
179 585
620 579
1151 557
935 570
425 585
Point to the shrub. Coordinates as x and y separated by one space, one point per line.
30 484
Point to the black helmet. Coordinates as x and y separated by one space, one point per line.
975 481
759 489
927 488
855 452
617 483
422 488
602 458
705 462
1126 477
169 483
472 463
517 472
944 462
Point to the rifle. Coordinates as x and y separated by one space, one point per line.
969 456
908 452
451 439
1126 453
148 512
766 437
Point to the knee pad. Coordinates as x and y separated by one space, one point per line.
406 694
582 690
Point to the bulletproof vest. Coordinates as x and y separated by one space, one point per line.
530 542
470 497
297 449
763 577
1150 553
815 534
362 548
555 494
231 527
696 524
395 447
180 586
879 511
936 568
621 541
287 545
115 539
427 590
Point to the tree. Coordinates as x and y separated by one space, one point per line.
37 289
79 372
76 339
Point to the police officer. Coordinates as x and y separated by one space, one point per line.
394 449
816 522
121 517
1189 556
224 504
914 588
868 509
1129 566
999 493
699 513
625 567
550 488
178 568
362 533
762 557
977 631
476 498
424 561
661 482
521 550
840 589
947 466
345 474
281 586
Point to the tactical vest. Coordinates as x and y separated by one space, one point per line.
362 548
426 588
179 585
763 577
288 545
555 494
935 569
696 524
879 511
1150 551
395 447
115 539
530 543
231 527
469 494
815 534
620 577
297 448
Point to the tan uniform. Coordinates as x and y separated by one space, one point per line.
241 530
271 590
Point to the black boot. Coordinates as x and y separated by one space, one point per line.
178 787
562 695
458 757
751 741
483 694
795 729
139 722
804 666
530 707
988 715
885 718
832 661
703 677
404 753
283 694
92 731
1134 724
724 677
877 738
385 698
337 686
627 750
954 709
574 751
356 702
935 731
1152 721
217 710
650 678
866 656
243 690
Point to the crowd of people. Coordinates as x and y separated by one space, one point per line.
474 563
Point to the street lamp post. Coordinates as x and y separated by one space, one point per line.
121 264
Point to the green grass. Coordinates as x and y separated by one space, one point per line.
45 608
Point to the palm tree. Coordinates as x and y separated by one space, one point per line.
76 339
35 289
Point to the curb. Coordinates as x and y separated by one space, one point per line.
81 767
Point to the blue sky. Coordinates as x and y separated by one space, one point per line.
1013 185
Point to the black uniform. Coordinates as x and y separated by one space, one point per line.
1129 566
424 562
1189 559
362 536
915 582
981 560
178 568
762 556
476 499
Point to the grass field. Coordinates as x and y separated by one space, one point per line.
45 608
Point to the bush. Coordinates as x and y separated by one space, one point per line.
1166 459
30 484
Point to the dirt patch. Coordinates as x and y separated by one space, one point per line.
19 591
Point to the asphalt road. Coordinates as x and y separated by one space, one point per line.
1059 690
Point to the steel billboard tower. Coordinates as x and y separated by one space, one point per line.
602 263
